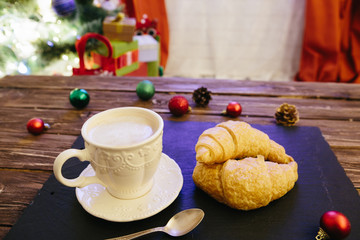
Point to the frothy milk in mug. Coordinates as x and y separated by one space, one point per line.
122 131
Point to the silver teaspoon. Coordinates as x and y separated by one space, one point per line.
179 225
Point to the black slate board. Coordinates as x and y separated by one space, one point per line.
322 186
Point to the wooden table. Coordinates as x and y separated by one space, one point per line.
26 160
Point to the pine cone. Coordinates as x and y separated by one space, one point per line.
201 96
286 115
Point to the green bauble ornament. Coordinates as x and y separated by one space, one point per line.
161 71
79 98
145 90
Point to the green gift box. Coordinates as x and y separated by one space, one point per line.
125 57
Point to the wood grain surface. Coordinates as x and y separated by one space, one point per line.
26 160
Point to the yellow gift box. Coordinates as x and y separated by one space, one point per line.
119 28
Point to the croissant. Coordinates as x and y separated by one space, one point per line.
231 166
246 184
237 140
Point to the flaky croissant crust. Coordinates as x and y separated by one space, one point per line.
237 140
248 183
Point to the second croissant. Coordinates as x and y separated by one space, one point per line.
237 140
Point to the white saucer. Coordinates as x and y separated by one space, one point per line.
168 182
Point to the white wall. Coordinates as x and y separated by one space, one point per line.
235 39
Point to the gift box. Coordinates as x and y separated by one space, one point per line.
125 57
150 69
148 48
149 57
119 28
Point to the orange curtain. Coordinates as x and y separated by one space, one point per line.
331 44
154 9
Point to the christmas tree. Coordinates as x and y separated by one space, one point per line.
38 36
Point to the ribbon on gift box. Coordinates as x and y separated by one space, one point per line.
124 60
106 64
127 59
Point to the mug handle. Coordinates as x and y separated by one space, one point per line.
80 181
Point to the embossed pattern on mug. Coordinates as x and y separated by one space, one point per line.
105 160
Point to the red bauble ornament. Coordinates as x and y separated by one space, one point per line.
335 224
233 109
35 126
178 105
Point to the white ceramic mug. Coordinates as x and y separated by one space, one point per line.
123 146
